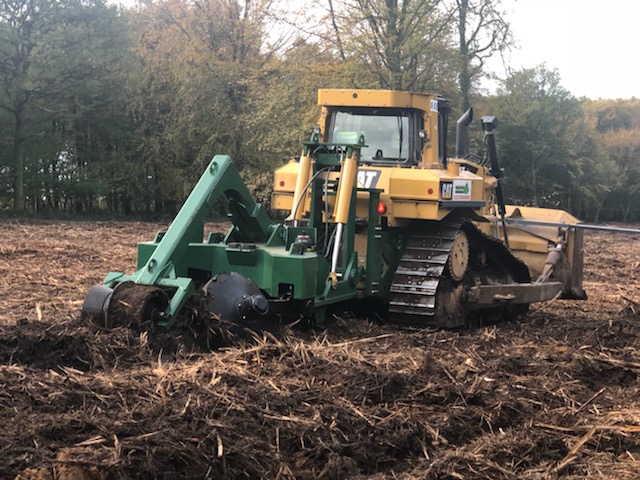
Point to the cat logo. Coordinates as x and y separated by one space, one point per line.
368 178
446 191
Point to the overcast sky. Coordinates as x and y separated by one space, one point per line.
593 44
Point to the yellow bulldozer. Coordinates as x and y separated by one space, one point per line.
378 217
455 255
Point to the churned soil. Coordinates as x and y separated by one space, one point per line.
555 394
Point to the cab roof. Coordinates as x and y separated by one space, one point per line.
377 98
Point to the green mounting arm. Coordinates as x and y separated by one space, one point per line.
251 224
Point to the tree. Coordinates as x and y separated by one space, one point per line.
482 32
201 64
552 158
48 48
402 43
616 124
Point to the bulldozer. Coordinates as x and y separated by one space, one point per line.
376 217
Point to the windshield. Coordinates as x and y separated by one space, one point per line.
386 133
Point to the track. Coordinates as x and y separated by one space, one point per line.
423 291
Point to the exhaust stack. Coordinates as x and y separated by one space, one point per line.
462 133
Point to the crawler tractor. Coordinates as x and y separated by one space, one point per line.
378 217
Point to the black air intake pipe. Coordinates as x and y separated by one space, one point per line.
462 133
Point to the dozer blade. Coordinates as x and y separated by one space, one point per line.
535 233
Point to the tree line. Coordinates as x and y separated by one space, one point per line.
105 109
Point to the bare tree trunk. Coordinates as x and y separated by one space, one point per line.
336 31
18 162
482 31
393 47
534 186
464 75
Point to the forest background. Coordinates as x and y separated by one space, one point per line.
111 110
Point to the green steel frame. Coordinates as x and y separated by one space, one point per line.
178 260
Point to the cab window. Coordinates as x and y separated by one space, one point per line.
388 133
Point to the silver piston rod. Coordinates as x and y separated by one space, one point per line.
579 226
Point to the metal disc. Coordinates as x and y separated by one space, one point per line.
236 299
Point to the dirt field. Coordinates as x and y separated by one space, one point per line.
555 395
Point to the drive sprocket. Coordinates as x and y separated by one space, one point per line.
458 260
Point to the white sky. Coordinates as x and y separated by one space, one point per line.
593 44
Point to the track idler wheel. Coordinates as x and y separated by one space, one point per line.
450 311
128 304
236 299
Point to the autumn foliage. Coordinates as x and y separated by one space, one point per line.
113 110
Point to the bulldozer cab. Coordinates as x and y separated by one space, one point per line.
390 133
400 128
